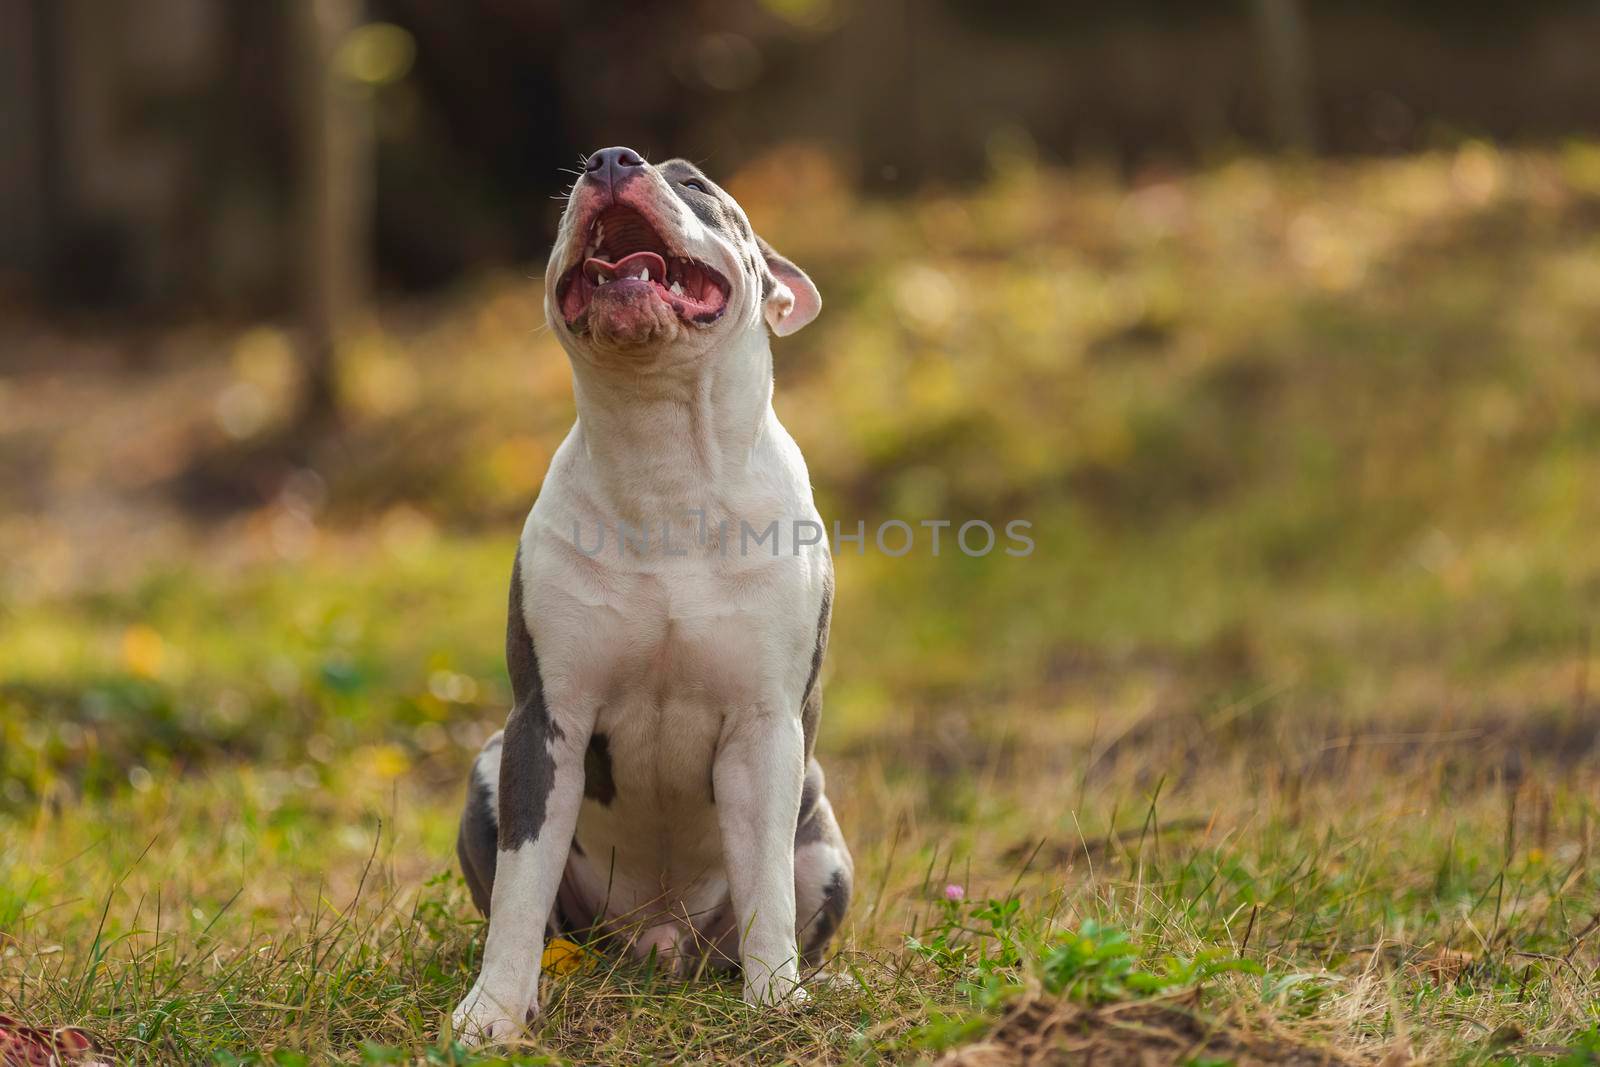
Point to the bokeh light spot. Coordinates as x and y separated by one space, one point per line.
377 54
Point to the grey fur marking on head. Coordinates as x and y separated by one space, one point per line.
527 763
715 208
719 211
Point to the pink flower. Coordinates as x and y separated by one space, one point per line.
954 892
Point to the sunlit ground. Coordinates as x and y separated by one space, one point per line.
1298 673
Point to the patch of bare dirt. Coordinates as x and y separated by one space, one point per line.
1052 1033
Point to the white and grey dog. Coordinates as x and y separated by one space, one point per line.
655 778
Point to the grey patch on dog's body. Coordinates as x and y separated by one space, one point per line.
477 840
824 876
527 763
598 784
807 827
811 696
835 900
478 836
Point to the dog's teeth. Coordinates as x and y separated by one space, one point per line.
644 275
677 289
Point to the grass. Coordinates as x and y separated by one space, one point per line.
1279 748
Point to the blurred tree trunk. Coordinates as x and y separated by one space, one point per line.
880 54
1286 63
333 196
31 180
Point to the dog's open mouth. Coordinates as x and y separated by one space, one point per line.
623 252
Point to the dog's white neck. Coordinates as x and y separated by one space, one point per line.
681 437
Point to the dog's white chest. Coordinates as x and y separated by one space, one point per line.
673 655
698 629
678 651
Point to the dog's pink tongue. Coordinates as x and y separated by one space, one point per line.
627 267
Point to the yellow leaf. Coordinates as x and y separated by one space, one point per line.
561 956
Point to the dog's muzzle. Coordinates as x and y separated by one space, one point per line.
625 265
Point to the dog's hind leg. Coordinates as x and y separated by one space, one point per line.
823 871
479 834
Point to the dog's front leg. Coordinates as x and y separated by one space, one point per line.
758 774
541 789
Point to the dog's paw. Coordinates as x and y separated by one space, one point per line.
775 991
480 1019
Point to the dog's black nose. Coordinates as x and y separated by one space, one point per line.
613 166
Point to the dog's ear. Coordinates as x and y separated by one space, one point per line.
791 298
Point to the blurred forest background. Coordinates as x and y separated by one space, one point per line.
158 156
1279 319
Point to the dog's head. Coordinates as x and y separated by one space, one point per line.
656 266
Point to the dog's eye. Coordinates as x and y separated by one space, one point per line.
696 184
